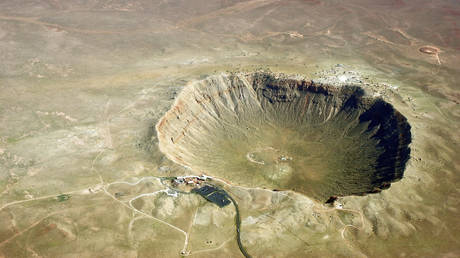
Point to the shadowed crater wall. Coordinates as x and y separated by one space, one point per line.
280 132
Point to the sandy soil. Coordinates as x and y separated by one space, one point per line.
83 83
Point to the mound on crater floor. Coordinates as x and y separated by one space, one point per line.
266 130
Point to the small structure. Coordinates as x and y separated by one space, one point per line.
213 194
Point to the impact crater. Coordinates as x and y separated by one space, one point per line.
285 132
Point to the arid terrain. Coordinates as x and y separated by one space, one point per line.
84 172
